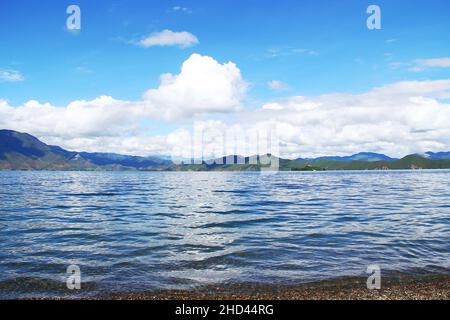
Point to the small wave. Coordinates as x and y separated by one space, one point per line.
93 194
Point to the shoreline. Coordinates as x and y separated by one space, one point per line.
401 287
350 288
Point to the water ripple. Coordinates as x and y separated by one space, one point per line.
135 230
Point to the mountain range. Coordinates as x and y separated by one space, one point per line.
22 151
362 156
437 155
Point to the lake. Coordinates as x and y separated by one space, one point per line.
134 231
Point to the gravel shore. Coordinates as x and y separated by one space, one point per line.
410 288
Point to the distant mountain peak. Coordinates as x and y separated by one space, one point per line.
361 156
436 155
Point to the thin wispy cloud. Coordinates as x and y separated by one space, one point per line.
283 52
82 69
420 65
7 75
305 51
398 65
167 37
277 85
181 9
424 64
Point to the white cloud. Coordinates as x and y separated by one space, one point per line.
435 63
203 86
278 85
139 144
396 119
103 125
167 37
424 64
10 76
103 116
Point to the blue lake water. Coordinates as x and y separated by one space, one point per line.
135 231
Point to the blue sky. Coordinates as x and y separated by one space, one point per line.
59 67
310 48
